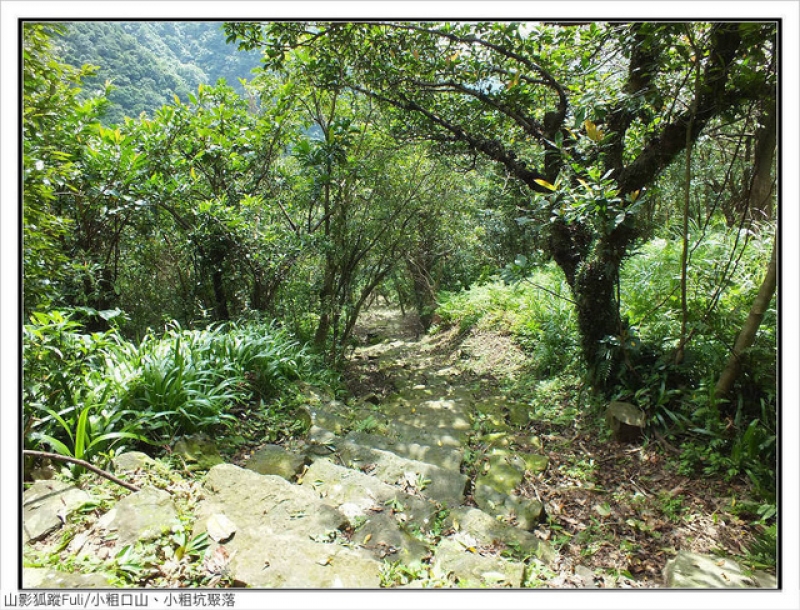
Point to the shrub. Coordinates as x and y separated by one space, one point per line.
86 393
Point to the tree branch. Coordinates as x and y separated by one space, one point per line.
85 464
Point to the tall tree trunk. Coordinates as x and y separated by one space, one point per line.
748 333
326 306
423 286
598 318
759 199
687 198
591 267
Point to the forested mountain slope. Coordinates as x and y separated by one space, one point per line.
149 62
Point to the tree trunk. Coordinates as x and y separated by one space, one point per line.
221 311
748 333
326 306
761 188
597 311
423 286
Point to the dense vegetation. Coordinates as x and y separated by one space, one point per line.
148 63
604 193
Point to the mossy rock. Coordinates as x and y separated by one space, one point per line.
273 459
198 451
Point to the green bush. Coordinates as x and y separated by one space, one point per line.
71 387
724 276
85 394
536 311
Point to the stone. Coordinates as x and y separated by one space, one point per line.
46 505
357 494
488 530
522 512
534 462
586 575
695 571
445 457
432 482
469 569
329 417
440 437
314 396
198 451
273 459
625 421
48 578
143 515
304 415
500 473
387 539
132 460
321 441
220 528
294 561
518 415
264 505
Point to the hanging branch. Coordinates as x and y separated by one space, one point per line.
85 464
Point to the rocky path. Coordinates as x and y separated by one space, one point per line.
380 498
386 490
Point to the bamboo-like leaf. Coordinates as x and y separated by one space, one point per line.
82 433
545 184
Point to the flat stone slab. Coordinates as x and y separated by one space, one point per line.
500 474
443 456
434 483
440 437
356 494
45 506
469 569
47 578
143 515
694 571
454 410
488 530
265 505
297 562
387 539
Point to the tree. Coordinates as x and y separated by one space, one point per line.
210 178
586 117
747 336
58 127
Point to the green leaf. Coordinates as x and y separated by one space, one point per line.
55 444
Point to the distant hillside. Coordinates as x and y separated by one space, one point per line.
148 62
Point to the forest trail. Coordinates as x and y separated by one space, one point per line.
428 476
396 464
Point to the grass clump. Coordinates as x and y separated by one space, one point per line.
89 395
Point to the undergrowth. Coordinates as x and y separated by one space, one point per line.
91 395
731 439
